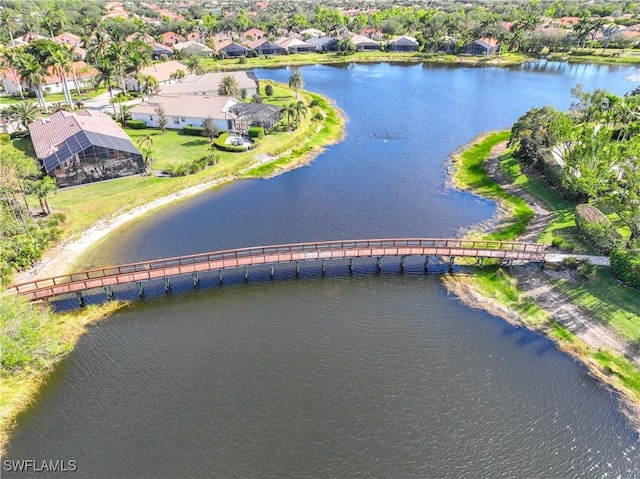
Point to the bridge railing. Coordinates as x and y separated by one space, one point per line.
257 251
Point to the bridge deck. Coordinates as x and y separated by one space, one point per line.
161 268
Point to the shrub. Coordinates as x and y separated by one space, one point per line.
192 130
136 124
586 270
596 228
256 132
317 116
625 264
5 138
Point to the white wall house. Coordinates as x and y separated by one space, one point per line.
161 71
186 110
83 72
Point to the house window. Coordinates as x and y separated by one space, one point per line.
176 120
182 120
151 117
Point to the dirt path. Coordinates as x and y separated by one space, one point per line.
536 282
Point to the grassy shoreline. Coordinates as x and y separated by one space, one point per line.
499 293
57 334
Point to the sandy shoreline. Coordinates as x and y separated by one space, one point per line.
59 259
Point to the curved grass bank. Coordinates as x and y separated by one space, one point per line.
496 290
33 338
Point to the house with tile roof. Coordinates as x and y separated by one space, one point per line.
482 46
191 47
183 110
81 71
403 43
85 146
295 45
207 84
163 72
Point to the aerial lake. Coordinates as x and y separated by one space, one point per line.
336 375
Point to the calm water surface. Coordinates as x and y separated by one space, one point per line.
336 376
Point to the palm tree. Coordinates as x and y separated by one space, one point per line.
148 84
296 82
195 66
145 141
107 76
10 56
228 86
301 110
61 59
9 23
177 75
290 112
24 112
33 74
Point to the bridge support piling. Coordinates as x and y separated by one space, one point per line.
297 269
81 301
379 264
140 289
109 292
167 284
350 265
196 279
452 262
402 258
324 266
272 272
426 264
480 262
246 273
220 276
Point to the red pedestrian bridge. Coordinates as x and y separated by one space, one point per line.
270 255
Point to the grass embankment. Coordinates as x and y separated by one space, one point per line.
85 206
33 340
603 298
608 56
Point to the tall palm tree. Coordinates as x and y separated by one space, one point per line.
33 74
9 23
301 110
290 112
296 82
194 65
60 57
228 86
107 76
10 56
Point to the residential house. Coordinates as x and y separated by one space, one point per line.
482 46
372 33
191 47
403 43
84 147
325 44
26 39
142 37
208 84
269 48
162 72
81 71
365 44
171 38
229 48
183 110
295 45
69 39
158 51
253 34
312 33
